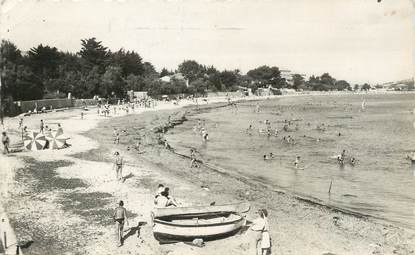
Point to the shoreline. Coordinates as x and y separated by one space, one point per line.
100 127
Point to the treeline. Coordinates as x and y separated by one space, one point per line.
46 72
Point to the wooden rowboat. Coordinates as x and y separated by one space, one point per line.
206 222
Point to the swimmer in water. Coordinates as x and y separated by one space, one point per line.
297 162
352 161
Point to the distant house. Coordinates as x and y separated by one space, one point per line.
176 76
288 76
137 95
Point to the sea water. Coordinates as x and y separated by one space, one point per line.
380 136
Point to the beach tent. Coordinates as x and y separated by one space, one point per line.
56 139
34 141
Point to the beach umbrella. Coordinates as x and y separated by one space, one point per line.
56 139
34 141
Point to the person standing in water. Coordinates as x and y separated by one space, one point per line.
120 217
297 162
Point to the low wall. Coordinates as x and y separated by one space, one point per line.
82 102
223 94
25 106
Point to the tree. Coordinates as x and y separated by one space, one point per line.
135 82
298 80
130 62
198 87
229 79
342 85
44 61
365 87
356 87
165 72
112 83
327 80
265 75
191 70
150 71
27 86
10 58
93 53
9 53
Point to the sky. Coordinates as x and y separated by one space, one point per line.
356 40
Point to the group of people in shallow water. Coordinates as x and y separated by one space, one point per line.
289 140
342 159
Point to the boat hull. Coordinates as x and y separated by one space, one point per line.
165 231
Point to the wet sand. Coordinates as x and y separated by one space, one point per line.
64 199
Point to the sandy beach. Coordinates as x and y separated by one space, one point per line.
63 200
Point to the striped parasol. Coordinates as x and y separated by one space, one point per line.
34 141
56 139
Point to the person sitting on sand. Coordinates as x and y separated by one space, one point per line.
163 199
160 189
172 200
265 157
120 217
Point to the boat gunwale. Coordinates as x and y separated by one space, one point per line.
200 225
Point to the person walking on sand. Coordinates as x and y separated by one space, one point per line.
6 142
20 123
42 126
118 162
120 217
261 229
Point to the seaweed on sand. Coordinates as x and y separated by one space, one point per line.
41 176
